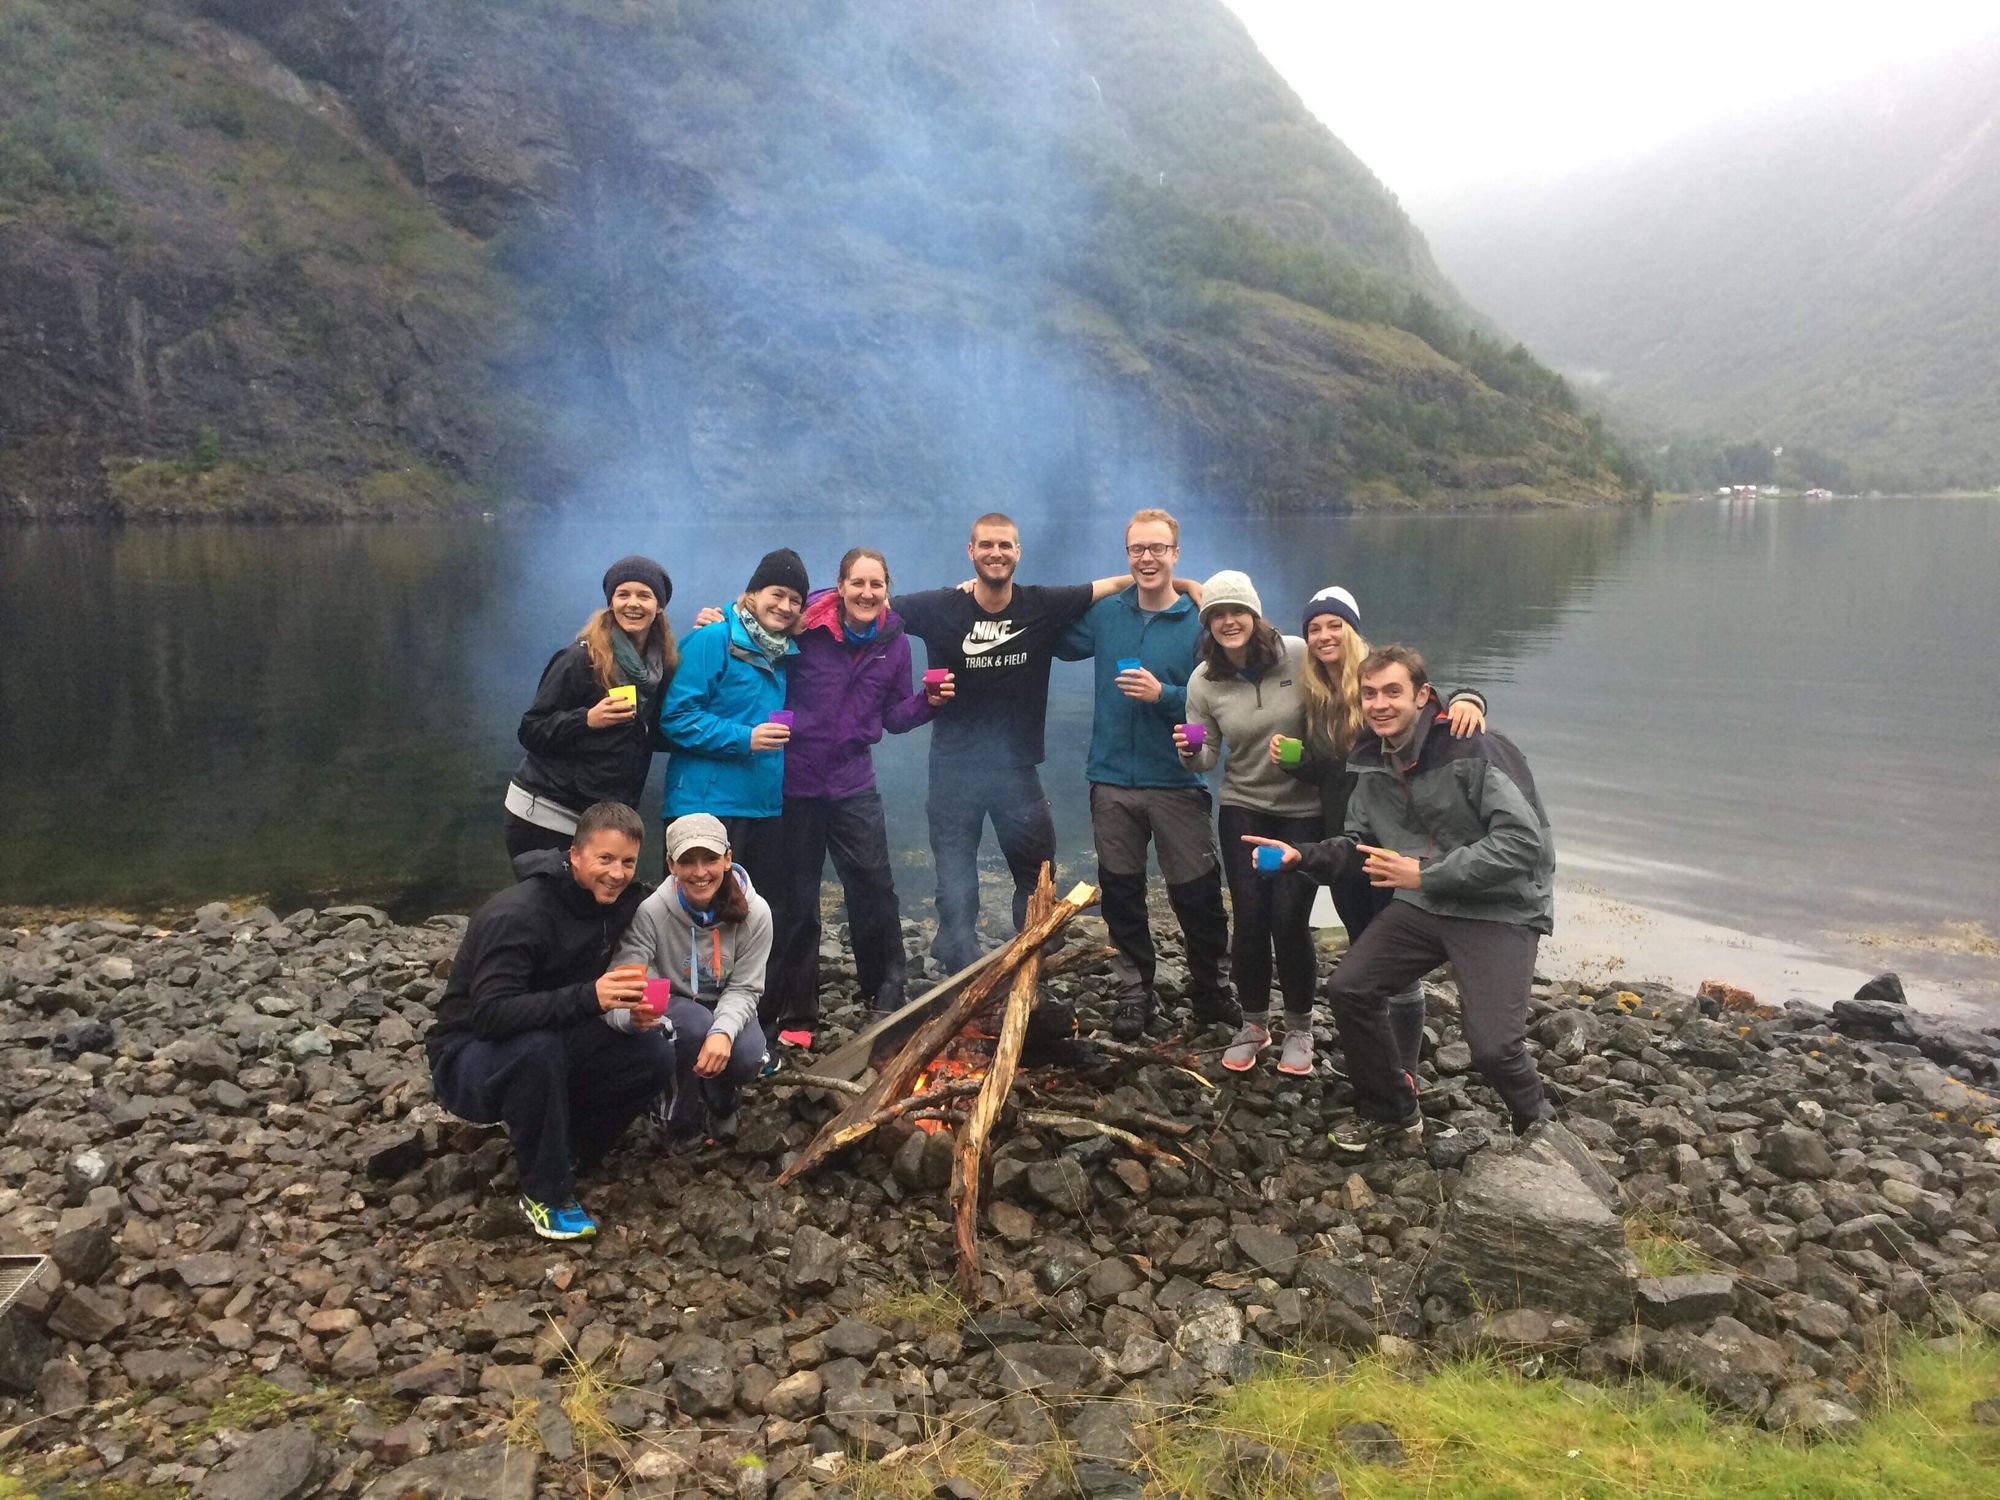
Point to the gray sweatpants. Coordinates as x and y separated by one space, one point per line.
1495 965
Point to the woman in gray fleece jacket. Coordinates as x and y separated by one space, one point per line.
1249 686
706 934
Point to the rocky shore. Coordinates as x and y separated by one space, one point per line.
278 1270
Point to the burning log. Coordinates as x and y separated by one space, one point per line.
871 1107
968 1161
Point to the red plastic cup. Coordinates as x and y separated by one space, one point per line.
1194 734
658 993
783 716
936 676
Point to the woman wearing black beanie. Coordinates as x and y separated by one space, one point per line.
591 732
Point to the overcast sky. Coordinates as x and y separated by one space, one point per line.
1441 95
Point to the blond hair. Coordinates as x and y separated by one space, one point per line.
1154 513
1333 708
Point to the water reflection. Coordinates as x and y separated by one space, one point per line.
1737 711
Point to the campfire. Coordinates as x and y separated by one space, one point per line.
958 1069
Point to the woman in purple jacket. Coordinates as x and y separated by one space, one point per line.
849 682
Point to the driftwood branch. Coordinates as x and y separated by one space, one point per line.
1048 1119
864 1114
968 1161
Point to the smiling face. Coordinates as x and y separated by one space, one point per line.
864 591
635 608
701 873
1151 552
1326 638
1389 703
1232 628
776 608
604 864
995 552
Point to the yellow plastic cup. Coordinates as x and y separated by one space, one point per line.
626 693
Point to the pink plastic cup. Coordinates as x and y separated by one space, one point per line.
1194 734
936 676
658 993
782 716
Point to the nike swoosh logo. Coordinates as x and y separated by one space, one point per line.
970 647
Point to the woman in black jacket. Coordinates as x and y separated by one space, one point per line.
591 732
1334 652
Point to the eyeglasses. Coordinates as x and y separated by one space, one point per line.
1148 549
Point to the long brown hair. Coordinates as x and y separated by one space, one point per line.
1265 647
1333 709
596 638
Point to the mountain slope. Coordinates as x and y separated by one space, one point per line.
366 255
1817 274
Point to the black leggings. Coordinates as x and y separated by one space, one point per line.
1271 914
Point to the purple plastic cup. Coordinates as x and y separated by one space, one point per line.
782 716
1269 861
1194 734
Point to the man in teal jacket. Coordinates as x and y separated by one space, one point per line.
1454 827
1143 640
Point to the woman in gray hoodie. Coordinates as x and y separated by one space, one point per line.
704 938
1249 686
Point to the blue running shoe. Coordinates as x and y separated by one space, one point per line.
566 1221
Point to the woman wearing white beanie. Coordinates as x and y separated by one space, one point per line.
1249 686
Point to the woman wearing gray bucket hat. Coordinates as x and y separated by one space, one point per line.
1249 686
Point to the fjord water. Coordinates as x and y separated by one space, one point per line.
1759 721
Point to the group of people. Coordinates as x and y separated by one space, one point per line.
583 996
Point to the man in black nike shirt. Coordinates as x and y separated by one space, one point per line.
996 640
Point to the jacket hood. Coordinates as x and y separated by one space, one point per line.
679 913
823 612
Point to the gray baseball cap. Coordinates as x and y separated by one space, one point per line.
696 831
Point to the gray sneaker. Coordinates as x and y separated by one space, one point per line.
1240 1056
1297 1058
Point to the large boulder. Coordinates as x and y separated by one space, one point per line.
1529 1229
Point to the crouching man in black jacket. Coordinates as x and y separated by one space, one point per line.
1455 829
521 1036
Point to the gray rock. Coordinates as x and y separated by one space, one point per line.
1267 1250
1677 1301
704 1379
1061 1184
1525 1230
796 1397
1104 1430
84 1253
355 1357
1369 1443
1876 1232
87 1316
1794 1152
279 1463
1210 1333
817 1261
1093 1479
24 1349
212 1268
492 1471
855 1339
1804 1412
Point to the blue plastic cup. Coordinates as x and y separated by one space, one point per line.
1269 861
1129 664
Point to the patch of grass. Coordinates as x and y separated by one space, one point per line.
1475 1427
998 1471
934 1308
1661 1246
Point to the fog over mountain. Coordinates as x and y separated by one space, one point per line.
385 256
1816 273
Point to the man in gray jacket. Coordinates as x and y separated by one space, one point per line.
1455 829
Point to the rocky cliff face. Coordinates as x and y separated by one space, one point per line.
381 256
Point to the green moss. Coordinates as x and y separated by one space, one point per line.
1478 1428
